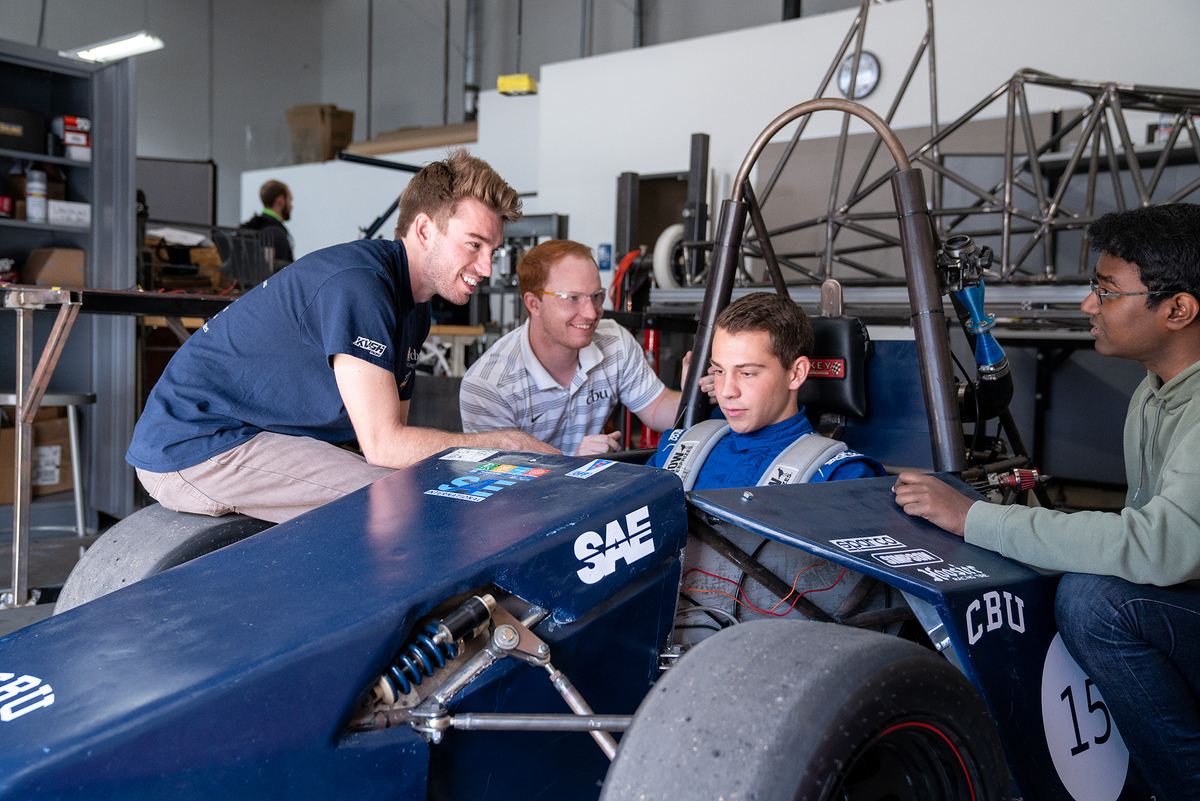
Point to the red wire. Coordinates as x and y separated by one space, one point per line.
746 603
939 733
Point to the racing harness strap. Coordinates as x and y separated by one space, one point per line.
797 464
688 453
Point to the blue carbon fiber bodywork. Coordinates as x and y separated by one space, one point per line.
234 675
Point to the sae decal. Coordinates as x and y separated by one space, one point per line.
629 543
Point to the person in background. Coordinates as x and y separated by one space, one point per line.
559 376
277 209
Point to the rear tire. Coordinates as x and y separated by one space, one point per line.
810 711
147 543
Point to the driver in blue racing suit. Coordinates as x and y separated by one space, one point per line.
760 357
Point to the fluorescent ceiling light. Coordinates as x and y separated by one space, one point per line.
115 49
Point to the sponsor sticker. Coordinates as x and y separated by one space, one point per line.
917 556
678 455
867 544
459 496
474 488
954 573
467 455
510 471
782 475
827 368
591 468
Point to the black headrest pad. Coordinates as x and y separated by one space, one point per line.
837 381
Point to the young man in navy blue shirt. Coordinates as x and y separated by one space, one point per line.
760 357
249 414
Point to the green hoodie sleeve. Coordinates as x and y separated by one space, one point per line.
1158 543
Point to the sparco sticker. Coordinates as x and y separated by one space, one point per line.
22 695
867 544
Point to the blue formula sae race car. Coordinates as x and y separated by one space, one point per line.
487 624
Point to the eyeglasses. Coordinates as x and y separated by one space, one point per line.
1101 293
577 299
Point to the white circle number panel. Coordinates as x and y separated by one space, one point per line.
1088 752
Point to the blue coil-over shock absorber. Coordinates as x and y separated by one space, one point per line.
961 266
433 647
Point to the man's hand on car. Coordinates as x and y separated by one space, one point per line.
513 439
928 497
596 444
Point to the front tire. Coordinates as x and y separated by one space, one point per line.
810 711
146 543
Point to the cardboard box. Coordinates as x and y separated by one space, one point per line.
51 458
68 212
55 267
319 132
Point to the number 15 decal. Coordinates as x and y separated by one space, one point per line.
1093 706
1088 753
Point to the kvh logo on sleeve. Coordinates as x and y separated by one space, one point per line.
629 543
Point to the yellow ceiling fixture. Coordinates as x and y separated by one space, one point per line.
516 85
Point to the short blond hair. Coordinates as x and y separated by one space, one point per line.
437 189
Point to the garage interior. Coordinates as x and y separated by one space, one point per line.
194 141
623 125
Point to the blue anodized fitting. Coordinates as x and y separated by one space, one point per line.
987 349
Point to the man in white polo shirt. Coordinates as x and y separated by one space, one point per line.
559 376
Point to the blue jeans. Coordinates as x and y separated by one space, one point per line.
1141 646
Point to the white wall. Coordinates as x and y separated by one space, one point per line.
335 199
635 110
231 68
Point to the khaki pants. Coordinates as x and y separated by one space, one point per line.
272 477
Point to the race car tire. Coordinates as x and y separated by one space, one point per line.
800 710
148 542
665 256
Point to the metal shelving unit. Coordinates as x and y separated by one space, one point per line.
100 354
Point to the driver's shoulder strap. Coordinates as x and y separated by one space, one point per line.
687 455
801 460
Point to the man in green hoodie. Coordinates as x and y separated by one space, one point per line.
1128 607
